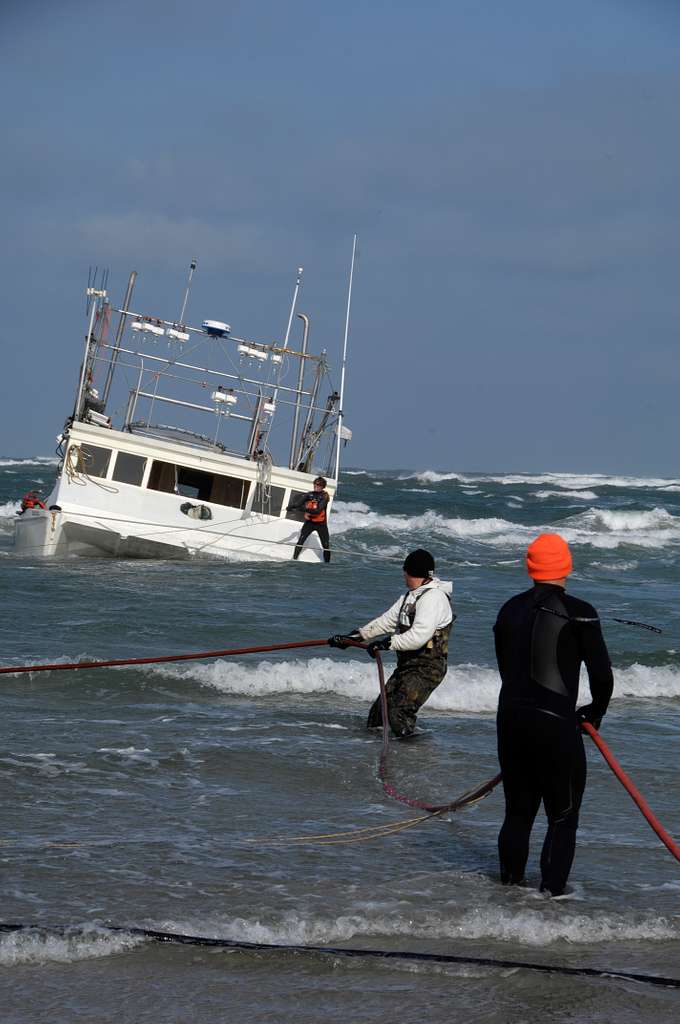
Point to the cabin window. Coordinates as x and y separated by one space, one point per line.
298 514
194 483
269 501
94 461
129 469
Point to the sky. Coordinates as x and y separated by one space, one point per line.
510 169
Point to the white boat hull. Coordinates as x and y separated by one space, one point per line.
41 533
103 516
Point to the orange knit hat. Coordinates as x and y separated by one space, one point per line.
549 558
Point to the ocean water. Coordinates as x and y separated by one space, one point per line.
148 796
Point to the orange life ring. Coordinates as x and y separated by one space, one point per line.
31 500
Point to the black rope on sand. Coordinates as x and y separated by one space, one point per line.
342 951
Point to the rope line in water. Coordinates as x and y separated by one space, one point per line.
351 835
472 796
343 951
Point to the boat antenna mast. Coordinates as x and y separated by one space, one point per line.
344 361
192 268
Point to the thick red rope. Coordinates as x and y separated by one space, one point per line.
117 662
634 793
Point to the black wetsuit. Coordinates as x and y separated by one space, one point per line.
319 501
540 646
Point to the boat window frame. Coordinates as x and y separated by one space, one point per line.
87 444
134 455
246 488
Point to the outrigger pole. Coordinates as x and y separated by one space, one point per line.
344 362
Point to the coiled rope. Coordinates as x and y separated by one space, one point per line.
343 951
455 805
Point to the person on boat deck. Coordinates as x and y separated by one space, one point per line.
542 637
419 623
314 504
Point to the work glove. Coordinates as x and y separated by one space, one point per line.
588 714
343 640
378 645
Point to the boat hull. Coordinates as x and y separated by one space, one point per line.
104 516
65 533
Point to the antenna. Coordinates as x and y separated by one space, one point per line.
91 283
298 283
192 267
344 362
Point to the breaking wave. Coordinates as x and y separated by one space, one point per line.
356 516
467 689
525 927
9 509
38 946
600 528
37 460
570 481
431 476
581 495
538 927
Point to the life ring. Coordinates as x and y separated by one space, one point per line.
31 500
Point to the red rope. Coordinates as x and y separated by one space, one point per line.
390 790
634 793
116 662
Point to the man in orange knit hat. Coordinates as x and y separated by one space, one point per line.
542 637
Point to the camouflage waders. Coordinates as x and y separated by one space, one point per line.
417 674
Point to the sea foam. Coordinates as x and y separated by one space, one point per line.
599 528
38 946
467 688
37 460
527 927
570 481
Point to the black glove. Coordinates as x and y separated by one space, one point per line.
343 640
588 714
379 645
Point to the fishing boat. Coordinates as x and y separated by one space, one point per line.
218 438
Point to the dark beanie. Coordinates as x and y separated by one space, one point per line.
419 563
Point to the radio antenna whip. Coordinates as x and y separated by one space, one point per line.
344 362
186 294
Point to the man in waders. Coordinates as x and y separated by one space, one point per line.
542 637
419 623
314 504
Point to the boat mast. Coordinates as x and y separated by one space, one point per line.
298 397
344 362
